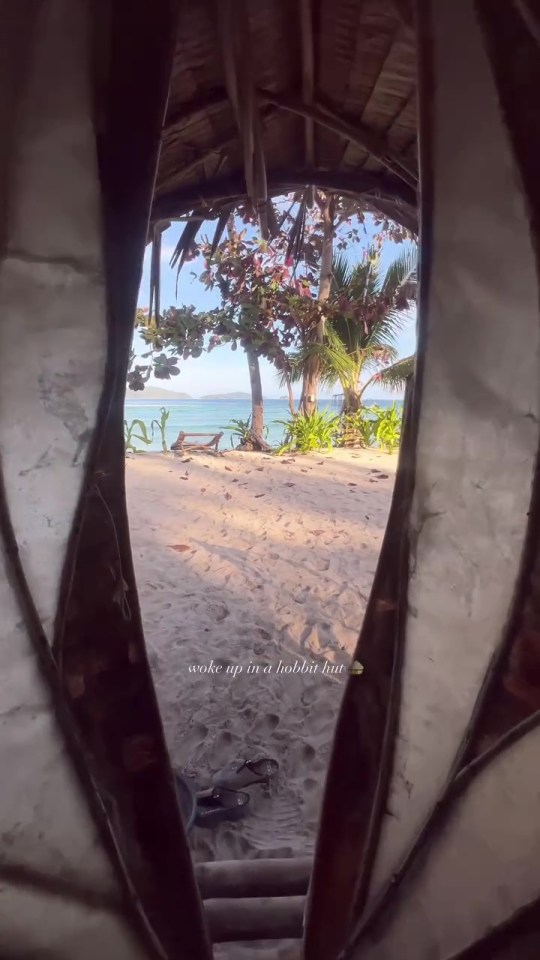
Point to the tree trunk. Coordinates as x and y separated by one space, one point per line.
291 397
312 372
352 401
257 409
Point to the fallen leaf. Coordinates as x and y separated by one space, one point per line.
179 547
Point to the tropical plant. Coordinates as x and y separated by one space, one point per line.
357 428
270 303
386 426
365 314
306 432
129 434
241 429
161 425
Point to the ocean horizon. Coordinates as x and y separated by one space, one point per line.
212 416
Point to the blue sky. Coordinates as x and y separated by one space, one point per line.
224 371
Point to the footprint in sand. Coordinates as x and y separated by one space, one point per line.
193 738
308 752
223 750
220 612
273 825
265 725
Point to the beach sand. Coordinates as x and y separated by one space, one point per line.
249 559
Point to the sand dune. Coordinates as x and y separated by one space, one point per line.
248 560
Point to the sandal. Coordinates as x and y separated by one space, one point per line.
187 799
217 804
243 773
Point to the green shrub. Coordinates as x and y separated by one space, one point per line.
356 428
129 434
387 426
161 424
316 431
241 429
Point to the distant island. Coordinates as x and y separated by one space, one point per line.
226 396
156 393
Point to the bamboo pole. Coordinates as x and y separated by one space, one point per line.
257 918
254 878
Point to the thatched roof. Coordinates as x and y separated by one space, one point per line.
280 95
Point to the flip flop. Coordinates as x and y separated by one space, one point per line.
218 804
243 773
187 799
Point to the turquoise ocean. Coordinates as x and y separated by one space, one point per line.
211 416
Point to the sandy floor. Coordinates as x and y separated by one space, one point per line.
248 559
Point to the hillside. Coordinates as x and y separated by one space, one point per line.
156 393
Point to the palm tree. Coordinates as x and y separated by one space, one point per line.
367 313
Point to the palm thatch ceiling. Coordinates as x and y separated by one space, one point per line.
272 96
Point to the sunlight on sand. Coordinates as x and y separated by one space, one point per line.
246 559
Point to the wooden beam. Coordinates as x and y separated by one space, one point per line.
254 878
351 129
257 918
404 10
354 183
185 169
530 19
308 74
389 208
188 112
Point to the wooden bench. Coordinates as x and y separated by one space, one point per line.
180 445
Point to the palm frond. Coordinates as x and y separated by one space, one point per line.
295 243
395 376
341 274
333 360
401 273
384 333
185 245
223 220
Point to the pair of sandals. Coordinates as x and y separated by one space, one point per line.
227 798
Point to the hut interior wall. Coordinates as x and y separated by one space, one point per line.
93 855
478 426
57 885
459 842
